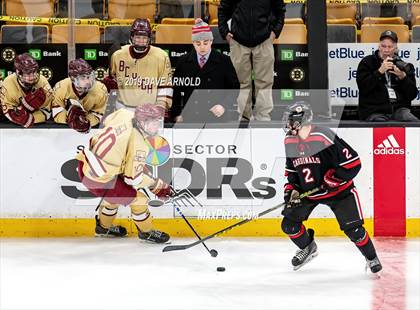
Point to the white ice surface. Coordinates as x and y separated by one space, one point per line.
94 273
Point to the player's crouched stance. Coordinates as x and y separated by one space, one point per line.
113 167
316 157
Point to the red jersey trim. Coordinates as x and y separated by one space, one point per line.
352 164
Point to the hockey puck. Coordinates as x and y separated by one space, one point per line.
221 269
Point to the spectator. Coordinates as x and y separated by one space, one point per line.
26 95
78 100
203 69
254 26
387 85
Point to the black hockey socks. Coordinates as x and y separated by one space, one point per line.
366 247
296 232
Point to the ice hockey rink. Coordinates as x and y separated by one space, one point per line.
98 273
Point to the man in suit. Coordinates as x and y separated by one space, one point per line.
205 82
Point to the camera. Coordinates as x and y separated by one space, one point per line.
400 64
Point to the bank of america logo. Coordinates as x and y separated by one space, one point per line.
389 146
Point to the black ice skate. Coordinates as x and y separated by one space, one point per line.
374 265
305 255
113 231
154 236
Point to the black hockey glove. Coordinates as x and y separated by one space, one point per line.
291 197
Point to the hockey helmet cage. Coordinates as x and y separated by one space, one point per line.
297 115
77 69
26 64
142 27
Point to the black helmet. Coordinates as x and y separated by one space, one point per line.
297 115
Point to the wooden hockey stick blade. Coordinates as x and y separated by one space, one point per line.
187 246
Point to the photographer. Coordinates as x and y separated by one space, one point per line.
387 85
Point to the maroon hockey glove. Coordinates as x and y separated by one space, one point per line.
34 100
331 182
21 116
81 124
162 190
74 112
76 119
110 83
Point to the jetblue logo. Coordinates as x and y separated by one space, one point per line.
344 92
346 52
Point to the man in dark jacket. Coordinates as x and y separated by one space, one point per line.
385 89
205 82
254 26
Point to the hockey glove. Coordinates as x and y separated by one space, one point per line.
110 83
76 119
331 182
162 190
34 100
21 116
291 196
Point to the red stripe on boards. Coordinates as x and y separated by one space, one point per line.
389 196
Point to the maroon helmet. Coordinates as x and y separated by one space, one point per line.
148 111
141 26
26 64
146 116
82 75
79 67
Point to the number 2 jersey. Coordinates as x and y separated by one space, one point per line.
308 160
117 150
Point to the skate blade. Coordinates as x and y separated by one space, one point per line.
312 256
108 236
152 242
372 275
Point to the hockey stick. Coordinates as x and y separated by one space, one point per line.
212 252
183 196
187 246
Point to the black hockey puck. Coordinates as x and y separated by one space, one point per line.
221 269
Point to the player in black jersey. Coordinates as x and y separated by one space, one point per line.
317 157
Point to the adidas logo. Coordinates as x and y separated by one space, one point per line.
389 146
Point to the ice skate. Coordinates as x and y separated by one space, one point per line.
304 256
111 232
374 265
154 236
